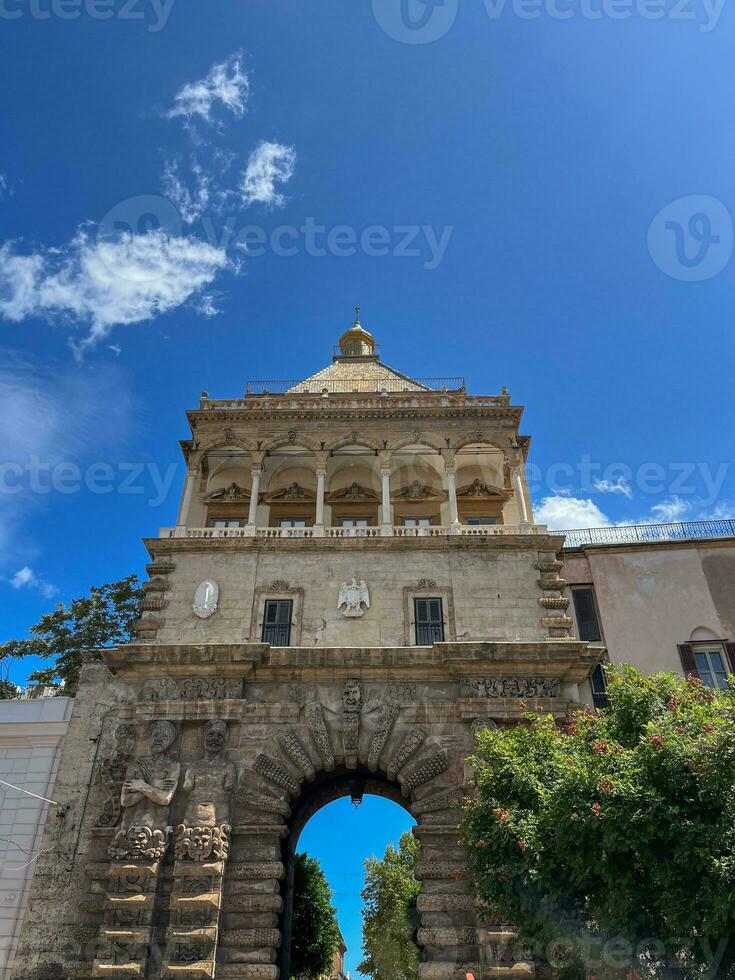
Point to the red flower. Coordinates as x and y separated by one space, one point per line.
606 785
656 741
599 748
596 809
501 814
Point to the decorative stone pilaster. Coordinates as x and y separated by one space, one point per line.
553 603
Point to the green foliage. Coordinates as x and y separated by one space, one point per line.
389 915
101 619
7 690
610 842
315 936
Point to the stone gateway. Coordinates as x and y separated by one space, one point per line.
250 698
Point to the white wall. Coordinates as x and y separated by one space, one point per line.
30 737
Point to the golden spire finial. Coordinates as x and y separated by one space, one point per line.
357 314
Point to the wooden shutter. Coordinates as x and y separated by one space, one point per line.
730 647
588 626
688 663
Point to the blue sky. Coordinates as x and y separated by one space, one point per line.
360 833
539 197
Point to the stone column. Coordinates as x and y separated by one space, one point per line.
451 488
254 491
515 475
386 515
191 476
321 476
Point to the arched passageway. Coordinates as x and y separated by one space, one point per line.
339 846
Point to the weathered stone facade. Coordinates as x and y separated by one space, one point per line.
197 754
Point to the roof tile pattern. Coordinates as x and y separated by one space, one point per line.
356 374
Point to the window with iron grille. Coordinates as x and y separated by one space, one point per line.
277 617
429 619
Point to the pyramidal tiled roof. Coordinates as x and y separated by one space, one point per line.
357 374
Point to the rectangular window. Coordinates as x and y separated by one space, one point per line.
292 522
416 522
354 522
585 609
711 665
484 521
277 617
429 618
225 523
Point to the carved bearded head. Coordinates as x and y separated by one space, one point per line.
162 736
215 735
352 697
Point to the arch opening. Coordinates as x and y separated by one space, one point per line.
320 826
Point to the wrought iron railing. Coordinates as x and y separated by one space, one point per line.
429 633
277 634
632 533
352 385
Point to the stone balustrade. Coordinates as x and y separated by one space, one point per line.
383 531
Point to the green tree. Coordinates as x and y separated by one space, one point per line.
101 619
389 916
610 841
315 936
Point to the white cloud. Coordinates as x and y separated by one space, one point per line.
26 578
670 510
103 284
226 83
620 485
3 185
723 511
191 204
269 163
567 513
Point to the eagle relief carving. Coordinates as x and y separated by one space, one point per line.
353 596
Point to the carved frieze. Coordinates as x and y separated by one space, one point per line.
510 687
191 689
